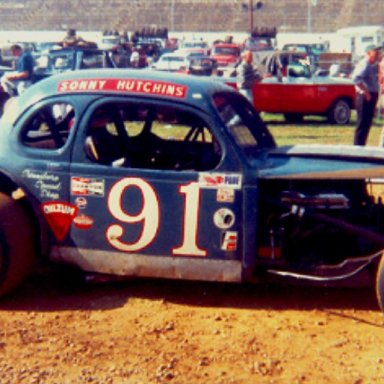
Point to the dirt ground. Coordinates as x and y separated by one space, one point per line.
156 331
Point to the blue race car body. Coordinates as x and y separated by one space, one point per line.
139 173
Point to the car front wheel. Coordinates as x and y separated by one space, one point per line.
380 284
16 244
339 113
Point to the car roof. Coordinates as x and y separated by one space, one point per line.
76 49
143 83
229 45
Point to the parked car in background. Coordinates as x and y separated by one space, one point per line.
110 42
64 60
46 46
193 43
200 65
192 52
277 62
225 54
172 62
259 46
70 59
299 93
312 50
256 44
289 87
261 43
337 64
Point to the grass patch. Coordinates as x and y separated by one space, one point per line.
316 130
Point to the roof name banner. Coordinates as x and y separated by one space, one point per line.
150 87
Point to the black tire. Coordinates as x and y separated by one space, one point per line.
339 113
293 117
17 244
4 97
380 284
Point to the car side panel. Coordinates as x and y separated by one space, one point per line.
299 96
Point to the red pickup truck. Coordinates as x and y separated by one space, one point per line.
299 96
295 92
226 54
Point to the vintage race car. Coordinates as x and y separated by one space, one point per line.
295 92
140 173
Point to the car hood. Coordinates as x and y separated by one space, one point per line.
323 162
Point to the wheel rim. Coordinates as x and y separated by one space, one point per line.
341 113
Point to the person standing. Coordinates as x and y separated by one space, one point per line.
381 95
366 80
71 39
15 82
247 75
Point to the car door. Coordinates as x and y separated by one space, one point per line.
42 149
300 91
150 196
268 95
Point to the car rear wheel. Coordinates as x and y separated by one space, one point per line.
339 113
17 244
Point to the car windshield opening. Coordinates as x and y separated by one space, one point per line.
244 123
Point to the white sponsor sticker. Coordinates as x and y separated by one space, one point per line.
84 186
219 180
224 218
229 241
225 195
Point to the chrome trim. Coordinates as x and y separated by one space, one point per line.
128 264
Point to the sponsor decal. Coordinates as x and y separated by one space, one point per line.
48 184
84 186
59 216
83 221
224 218
229 241
219 180
150 87
81 202
225 195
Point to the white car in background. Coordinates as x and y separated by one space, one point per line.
172 62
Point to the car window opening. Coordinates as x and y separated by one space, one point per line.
49 127
150 137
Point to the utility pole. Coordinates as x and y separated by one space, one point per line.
172 15
310 4
251 8
251 15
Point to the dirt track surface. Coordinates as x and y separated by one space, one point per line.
155 331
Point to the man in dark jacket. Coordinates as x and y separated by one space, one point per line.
366 79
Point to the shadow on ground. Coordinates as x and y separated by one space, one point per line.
51 290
